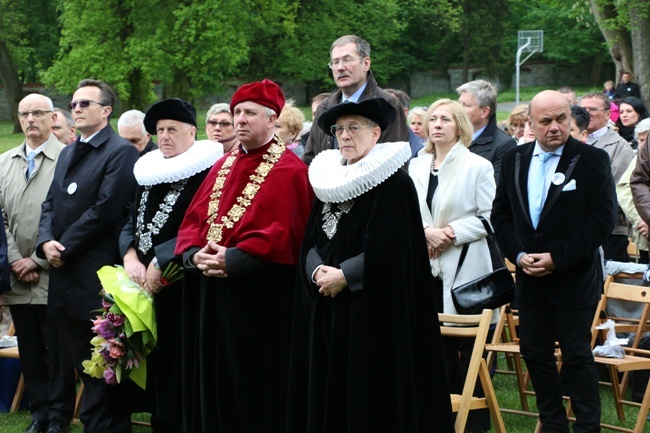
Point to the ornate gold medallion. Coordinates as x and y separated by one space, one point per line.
228 220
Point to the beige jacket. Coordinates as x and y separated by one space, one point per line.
21 200
626 202
620 154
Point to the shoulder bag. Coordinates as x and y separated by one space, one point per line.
489 291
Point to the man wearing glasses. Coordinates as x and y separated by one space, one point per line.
27 172
81 220
620 154
219 127
350 64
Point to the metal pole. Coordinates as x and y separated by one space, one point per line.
519 51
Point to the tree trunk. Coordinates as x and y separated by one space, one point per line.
465 77
640 36
179 87
618 39
10 80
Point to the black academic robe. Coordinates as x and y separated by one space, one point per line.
165 381
369 359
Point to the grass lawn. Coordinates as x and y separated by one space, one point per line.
505 386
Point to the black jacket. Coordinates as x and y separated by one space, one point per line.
492 144
85 210
575 221
624 90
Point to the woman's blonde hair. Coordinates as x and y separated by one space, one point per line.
464 126
519 113
293 117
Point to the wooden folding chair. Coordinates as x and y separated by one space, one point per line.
476 327
634 359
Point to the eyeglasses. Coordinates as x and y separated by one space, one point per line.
83 103
594 109
35 113
342 61
352 129
214 124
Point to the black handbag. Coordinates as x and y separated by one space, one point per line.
489 291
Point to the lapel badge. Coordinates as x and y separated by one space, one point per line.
72 188
557 179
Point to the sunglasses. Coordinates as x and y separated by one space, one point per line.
83 103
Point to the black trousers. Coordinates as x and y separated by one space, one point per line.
615 248
104 408
49 399
541 324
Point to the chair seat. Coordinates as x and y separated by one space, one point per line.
506 347
629 363
9 352
475 403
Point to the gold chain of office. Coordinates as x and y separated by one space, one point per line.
215 232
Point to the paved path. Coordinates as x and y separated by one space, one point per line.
508 106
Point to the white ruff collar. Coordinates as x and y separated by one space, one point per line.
153 168
335 182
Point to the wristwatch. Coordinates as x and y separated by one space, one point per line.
156 266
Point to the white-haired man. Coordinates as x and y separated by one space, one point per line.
130 127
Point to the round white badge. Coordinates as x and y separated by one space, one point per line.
558 179
72 188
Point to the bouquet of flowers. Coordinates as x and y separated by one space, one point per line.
126 330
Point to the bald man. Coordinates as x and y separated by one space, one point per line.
557 195
27 173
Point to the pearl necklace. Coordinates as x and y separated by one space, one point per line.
433 162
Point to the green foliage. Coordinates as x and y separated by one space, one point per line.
101 40
31 33
571 34
196 46
319 23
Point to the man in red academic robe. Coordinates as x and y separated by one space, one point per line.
243 231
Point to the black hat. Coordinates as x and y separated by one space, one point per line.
378 110
174 109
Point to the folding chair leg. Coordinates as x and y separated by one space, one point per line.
616 389
18 396
490 395
643 411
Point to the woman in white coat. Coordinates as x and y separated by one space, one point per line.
454 187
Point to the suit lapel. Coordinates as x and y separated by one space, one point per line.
522 166
567 163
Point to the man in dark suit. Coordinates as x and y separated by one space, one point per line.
557 196
81 219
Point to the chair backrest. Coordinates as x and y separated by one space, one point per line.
628 293
633 251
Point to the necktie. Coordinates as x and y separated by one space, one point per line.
538 188
31 164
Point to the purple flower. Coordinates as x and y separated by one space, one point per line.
106 305
104 328
109 376
115 319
